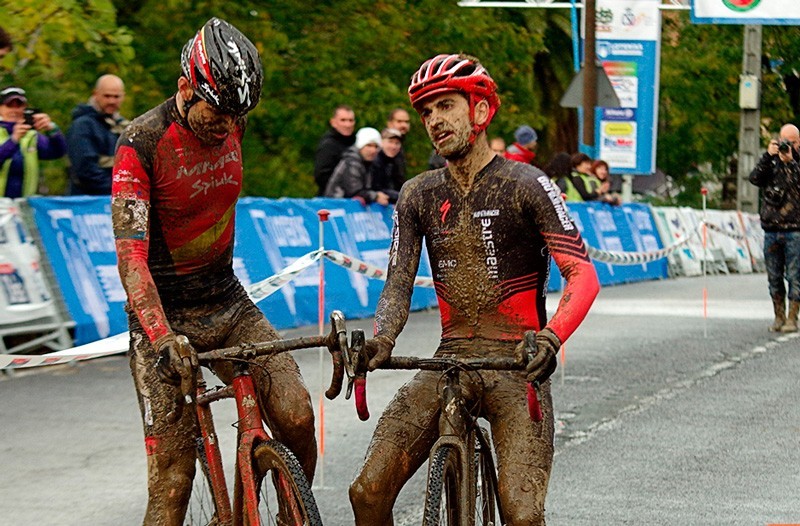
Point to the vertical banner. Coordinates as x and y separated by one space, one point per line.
629 48
756 12
78 237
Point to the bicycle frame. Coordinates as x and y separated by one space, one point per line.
251 432
251 423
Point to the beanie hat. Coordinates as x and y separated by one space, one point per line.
366 136
525 135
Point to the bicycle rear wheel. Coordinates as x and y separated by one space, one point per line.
285 497
443 496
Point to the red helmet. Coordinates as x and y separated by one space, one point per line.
447 73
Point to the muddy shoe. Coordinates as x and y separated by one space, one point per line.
791 319
779 306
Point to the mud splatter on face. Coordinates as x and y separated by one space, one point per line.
210 126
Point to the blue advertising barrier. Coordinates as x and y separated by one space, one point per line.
79 241
625 228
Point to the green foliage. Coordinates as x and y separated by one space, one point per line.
362 53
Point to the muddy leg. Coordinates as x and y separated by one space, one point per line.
401 444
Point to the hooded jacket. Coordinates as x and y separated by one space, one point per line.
352 177
329 151
91 142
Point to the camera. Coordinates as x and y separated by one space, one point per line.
784 146
774 195
29 113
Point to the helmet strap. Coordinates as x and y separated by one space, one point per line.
187 104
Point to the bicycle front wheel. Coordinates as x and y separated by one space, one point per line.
284 494
443 496
488 511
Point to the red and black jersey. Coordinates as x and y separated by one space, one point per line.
173 205
490 251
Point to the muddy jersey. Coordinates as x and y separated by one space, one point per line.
173 204
489 250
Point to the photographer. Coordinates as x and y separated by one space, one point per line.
26 136
778 176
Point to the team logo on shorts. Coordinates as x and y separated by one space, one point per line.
741 5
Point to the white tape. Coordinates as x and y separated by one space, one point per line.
119 343
266 287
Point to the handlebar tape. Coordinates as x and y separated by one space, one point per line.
534 409
360 385
338 375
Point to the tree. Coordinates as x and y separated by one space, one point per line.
59 48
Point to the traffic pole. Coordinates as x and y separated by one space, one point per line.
704 194
323 215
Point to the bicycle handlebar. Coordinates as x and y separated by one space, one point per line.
335 341
357 361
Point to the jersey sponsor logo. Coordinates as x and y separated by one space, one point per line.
487 235
444 209
125 176
204 186
204 167
395 239
486 213
554 193
447 263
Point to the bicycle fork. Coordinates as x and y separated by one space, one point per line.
454 431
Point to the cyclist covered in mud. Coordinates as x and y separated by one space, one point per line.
490 226
176 180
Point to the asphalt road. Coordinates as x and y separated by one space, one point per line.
663 417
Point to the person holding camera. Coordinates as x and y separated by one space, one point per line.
27 135
778 176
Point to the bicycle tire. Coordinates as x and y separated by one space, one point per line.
488 510
443 494
272 460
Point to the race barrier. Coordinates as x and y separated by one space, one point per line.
276 260
26 303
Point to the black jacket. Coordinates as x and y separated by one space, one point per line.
91 141
780 192
329 152
351 178
387 175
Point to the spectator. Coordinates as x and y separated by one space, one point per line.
559 169
26 137
778 176
524 148
400 121
385 169
498 145
585 187
6 44
332 144
599 170
92 138
351 178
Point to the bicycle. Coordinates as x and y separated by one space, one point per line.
269 484
462 478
